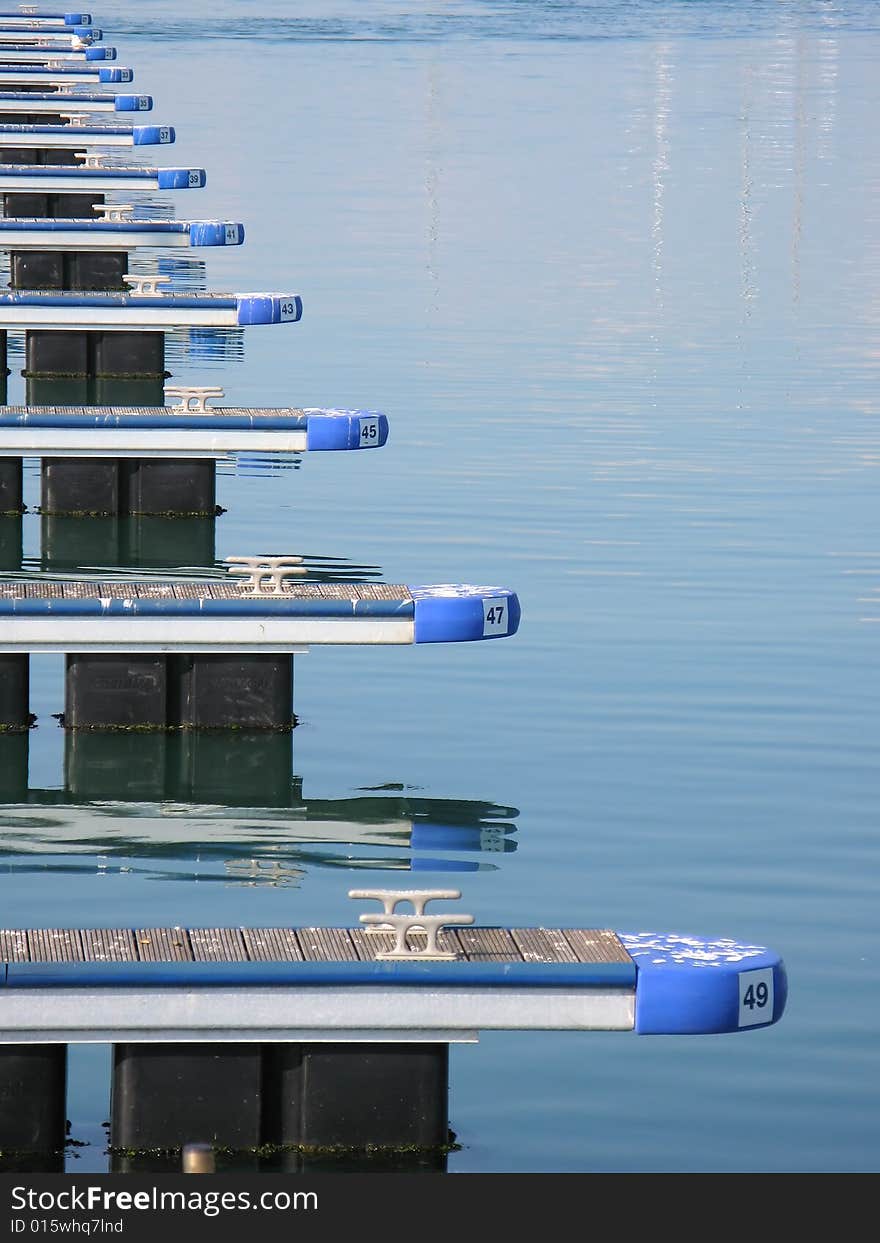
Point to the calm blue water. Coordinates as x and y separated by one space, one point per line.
612 272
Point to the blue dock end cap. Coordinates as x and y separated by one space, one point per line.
690 985
345 429
150 135
99 53
77 19
269 308
457 613
215 233
427 835
115 75
181 178
90 33
134 103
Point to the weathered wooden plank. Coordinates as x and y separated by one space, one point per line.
163 945
13 945
487 945
369 942
596 945
271 945
217 945
54 945
326 945
108 945
543 945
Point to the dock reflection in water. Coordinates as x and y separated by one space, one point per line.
174 547
176 806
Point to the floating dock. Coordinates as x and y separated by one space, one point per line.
78 137
175 431
29 17
35 53
71 36
52 615
65 179
51 311
351 984
115 234
65 103
64 75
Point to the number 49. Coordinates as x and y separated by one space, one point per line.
755 997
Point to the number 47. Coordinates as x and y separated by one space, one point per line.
494 617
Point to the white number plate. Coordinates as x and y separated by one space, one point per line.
495 616
755 997
369 433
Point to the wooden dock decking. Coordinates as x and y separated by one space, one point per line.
262 945
203 589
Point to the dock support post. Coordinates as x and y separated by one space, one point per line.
14 691
155 486
59 354
355 1095
14 767
79 486
32 118
109 691
44 156
187 692
165 1095
11 489
63 269
223 690
11 541
130 487
43 206
33 1087
102 355
36 269
132 355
